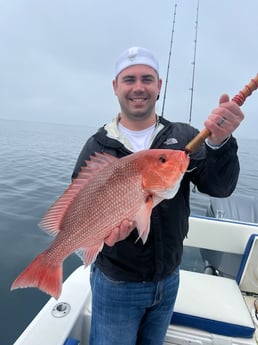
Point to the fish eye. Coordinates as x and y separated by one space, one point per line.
162 158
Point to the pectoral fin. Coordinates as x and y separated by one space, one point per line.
143 218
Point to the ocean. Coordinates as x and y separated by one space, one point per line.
37 160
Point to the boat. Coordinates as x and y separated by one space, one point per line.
209 309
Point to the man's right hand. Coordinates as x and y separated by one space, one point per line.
120 233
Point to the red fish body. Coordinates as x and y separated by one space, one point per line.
106 192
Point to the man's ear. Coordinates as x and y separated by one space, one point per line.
114 83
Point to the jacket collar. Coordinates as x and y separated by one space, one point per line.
113 131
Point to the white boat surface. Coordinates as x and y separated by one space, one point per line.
236 207
209 309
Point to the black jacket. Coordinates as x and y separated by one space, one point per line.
214 172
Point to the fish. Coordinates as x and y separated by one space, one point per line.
107 191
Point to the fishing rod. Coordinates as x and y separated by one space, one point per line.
239 99
194 60
169 58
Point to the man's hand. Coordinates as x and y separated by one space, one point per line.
223 120
120 233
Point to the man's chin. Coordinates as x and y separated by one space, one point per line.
140 115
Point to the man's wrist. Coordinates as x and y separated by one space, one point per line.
216 147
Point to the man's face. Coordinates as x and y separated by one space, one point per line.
137 88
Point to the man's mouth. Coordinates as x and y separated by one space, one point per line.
137 99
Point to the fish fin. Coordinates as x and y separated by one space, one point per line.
89 254
53 219
99 161
143 218
81 252
42 274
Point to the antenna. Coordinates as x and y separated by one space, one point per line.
169 57
194 59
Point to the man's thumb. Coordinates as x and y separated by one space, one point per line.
224 98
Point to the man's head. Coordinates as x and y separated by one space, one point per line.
137 86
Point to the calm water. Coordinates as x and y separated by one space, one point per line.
36 164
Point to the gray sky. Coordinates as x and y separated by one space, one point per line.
57 56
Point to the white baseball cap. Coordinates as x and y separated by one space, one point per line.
135 56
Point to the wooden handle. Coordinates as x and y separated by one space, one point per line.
239 99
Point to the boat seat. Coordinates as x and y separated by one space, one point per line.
242 208
71 341
238 207
215 304
247 276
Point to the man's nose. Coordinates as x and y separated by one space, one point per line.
139 86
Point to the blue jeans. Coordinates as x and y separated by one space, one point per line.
128 313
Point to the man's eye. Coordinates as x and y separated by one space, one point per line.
147 80
129 80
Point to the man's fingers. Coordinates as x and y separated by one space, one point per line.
120 233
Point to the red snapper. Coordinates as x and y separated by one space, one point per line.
106 192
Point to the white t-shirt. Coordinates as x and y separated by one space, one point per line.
139 140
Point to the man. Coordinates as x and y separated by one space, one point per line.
134 286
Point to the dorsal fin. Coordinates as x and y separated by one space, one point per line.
52 220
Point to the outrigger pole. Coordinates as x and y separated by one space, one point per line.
169 58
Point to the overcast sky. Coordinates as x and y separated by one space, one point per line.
57 56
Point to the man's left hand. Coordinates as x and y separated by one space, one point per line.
223 120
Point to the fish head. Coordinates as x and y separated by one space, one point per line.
162 171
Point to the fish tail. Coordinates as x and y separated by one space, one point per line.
42 274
